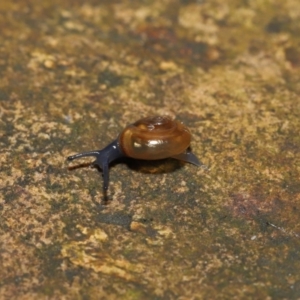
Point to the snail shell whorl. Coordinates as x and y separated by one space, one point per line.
154 138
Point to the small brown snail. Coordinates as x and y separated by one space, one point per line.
149 138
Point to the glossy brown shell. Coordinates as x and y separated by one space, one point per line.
154 138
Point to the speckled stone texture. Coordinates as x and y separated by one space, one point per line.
74 73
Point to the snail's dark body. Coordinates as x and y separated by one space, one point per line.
149 138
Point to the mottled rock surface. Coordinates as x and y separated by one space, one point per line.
74 73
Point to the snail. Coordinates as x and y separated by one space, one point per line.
149 138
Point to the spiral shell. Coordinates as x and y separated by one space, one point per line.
149 138
154 138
